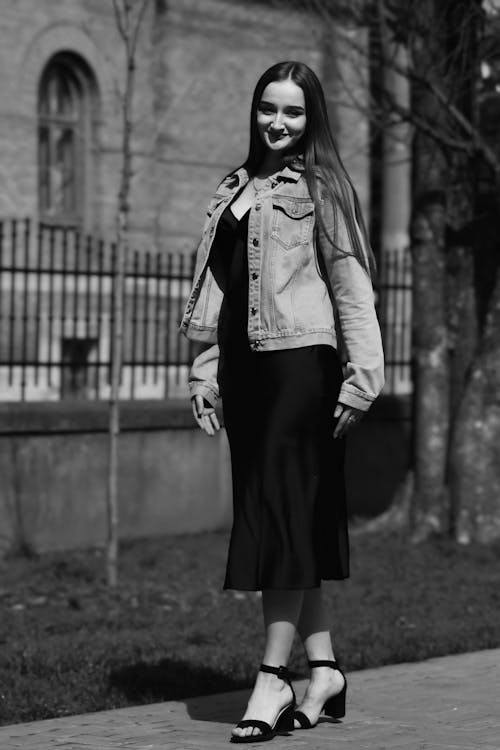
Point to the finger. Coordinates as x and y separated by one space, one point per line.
342 424
207 425
338 411
197 419
215 421
199 405
200 415
195 406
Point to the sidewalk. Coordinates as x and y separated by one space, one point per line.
450 703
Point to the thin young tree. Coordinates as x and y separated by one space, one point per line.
129 15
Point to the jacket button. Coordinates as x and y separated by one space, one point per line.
255 242
255 275
253 310
258 206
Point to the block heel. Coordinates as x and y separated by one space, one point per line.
334 706
285 720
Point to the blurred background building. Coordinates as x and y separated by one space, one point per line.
60 157
61 99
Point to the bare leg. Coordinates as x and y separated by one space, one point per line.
315 634
270 694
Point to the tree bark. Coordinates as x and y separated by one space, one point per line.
462 319
430 334
428 509
475 446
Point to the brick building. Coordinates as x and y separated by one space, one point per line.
197 64
61 97
60 139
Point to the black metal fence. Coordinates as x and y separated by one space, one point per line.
56 327
395 315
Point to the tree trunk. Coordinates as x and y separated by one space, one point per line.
128 25
430 334
114 404
475 446
462 319
428 510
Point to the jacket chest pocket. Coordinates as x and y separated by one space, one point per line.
292 219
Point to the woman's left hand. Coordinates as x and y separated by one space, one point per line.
348 416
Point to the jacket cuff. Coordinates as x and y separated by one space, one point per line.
201 389
352 396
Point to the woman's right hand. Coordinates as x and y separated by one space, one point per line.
205 416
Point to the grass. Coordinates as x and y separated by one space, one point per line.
69 645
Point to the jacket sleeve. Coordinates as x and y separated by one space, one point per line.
354 306
203 375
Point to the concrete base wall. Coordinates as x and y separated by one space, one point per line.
173 478
53 463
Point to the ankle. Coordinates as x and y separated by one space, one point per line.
271 680
322 661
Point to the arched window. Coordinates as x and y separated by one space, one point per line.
66 116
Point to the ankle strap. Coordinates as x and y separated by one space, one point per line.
281 672
324 663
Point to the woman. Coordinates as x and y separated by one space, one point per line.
282 285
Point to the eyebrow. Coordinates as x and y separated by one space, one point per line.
288 106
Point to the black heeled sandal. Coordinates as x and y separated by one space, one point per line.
284 720
334 706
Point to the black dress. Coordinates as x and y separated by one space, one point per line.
290 524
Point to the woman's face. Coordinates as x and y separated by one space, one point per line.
281 115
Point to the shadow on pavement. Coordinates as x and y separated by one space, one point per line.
212 696
171 680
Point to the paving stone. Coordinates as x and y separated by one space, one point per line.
450 703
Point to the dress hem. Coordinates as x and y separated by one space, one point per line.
227 587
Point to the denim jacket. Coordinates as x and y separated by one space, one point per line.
302 289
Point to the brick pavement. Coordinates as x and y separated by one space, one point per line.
449 703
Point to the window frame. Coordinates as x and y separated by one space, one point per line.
81 123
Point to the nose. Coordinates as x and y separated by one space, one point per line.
277 123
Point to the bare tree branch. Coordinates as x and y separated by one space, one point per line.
138 23
476 142
123 21
119 21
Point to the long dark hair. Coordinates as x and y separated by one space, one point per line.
316 154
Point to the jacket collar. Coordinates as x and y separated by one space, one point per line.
290 174
287 173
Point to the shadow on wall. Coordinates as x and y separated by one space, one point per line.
378 456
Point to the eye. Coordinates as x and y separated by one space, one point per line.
265 109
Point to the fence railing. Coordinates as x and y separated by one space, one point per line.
56 327
395 314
